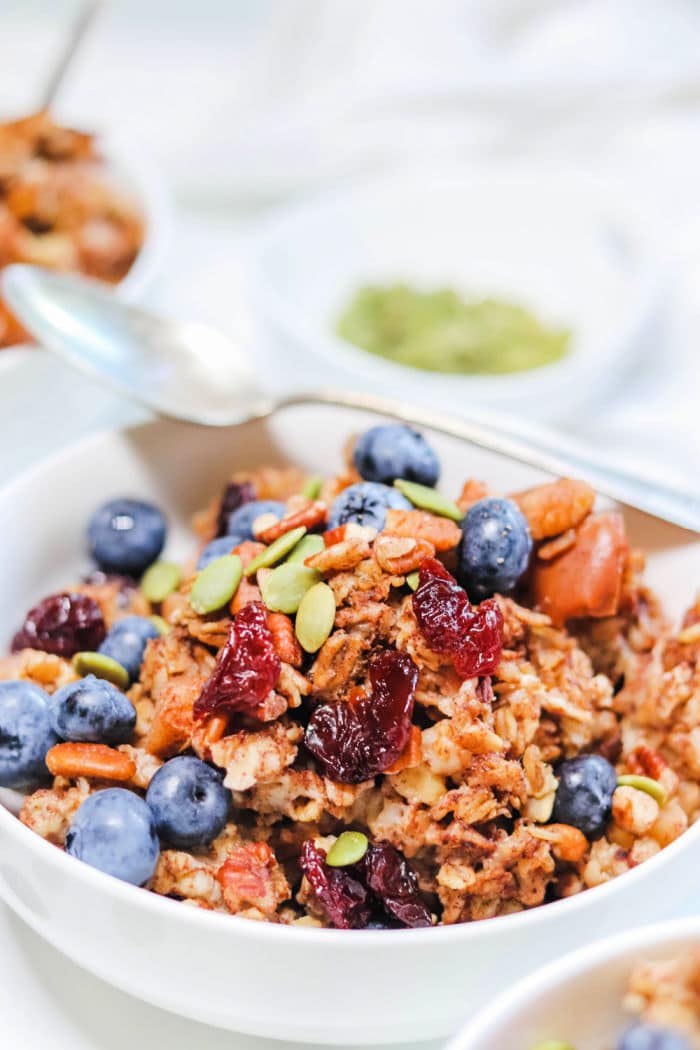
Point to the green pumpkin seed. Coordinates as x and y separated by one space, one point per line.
160 580
276 551
413 579
651 787
348 848
306 547
315 617
286 585
429 499
216 584
102 667
312 488
162 626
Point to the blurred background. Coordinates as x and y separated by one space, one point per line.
246 107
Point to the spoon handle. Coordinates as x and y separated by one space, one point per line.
540 447
64 62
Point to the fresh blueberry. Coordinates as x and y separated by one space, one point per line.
26 734
392 451
240 523
365 504
651 1037
93 710
188 802
126 642
126 536
217 549
495 548
113 830
584 795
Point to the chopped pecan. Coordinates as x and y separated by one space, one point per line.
400 554
284 640
247 592
443 533
340 556
585 580
567 842
646 761
336 661
250 877
310 516
472 492
552 509
552 548
89 760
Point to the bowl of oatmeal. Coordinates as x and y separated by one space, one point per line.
74 201
324 702
638 991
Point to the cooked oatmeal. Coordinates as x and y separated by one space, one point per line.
351 662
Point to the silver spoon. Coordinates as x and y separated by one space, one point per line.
65 59
194 373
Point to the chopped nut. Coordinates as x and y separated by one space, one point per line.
554 508
442 533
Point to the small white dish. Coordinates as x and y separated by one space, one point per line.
568 246
292 983
577 999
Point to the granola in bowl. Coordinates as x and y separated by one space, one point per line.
359 704
60 207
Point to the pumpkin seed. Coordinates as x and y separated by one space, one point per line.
101 666
315 617
276 551
162 626
306 547
413 579
286 585
348 848
216 584
651 787
312 488
429 499
160 580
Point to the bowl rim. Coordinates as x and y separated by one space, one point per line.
284 222
567 968
45 852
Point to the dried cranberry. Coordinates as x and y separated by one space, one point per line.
343 898
472 635
387 875
234 496
357 738
63 624
247 669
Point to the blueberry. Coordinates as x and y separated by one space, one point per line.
126 536
126 642
26 734
365 504
392 451
584 795
495 548
216 549
188 802
651 1037
113 830
240 522
93 710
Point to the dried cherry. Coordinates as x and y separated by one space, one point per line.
234 496
450 624
63 624
247 669
356 738
343 897
380 890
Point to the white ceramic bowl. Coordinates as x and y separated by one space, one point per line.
577 999
292 983
568 246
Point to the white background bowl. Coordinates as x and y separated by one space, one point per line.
290 983
578 999
570 247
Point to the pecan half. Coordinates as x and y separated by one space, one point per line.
310 516
284 640
340 557
399 554
443 533
556 507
